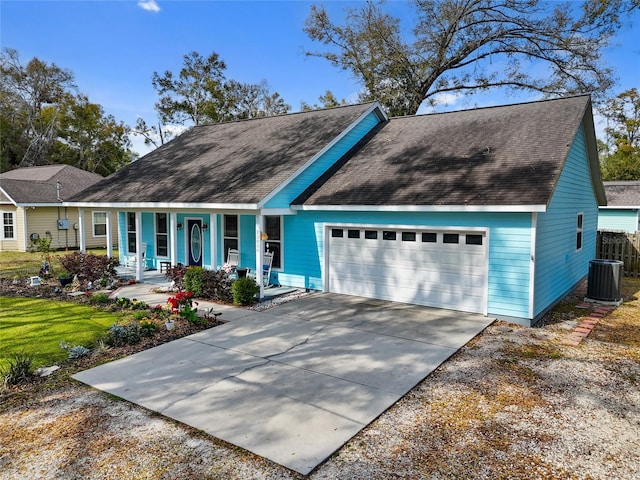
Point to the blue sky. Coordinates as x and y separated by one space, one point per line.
113 48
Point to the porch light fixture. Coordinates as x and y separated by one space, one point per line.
264 236
179 226
205 226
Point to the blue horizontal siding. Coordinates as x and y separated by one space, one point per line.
508 269
559 266
284 198
618 219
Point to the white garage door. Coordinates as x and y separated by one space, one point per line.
446 269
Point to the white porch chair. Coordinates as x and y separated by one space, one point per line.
266 268
233 257
130 261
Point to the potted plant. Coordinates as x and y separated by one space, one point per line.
169 324
65 279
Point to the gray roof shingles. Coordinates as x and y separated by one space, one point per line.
623 193
34 185
509 155
230 163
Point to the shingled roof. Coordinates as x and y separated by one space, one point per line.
36 185
229 163
623 193
508 155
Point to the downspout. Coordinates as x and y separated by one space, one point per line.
532 264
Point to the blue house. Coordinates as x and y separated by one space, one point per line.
622 212
491 210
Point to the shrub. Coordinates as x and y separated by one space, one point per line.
194 280
99 298
176 274
76 351
217 285
121 335
90 267
148 328
244 291
20 369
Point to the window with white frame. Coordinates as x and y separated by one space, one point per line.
230 232
162 235
273 228
579 231
99 224
8 226
131 232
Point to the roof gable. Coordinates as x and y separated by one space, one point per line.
35 185
510 155
230 163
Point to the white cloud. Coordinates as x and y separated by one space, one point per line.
149 5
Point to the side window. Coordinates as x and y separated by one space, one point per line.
162 235
579 232
230 233
273 228
131 232
99 224
8 224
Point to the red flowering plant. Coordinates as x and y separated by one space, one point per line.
182 304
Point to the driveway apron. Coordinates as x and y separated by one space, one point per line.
295 382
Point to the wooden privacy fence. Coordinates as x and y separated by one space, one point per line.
621 246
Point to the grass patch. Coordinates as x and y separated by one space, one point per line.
28 263
36 327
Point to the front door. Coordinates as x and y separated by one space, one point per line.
194 229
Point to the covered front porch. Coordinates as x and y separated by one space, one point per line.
152 240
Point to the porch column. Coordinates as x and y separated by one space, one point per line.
139 258
109 234
213 239
259 255
173 228
83 241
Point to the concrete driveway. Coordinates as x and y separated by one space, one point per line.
295 382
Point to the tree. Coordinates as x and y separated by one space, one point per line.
465 46
196 94
621 160
89 139
200 93
44 120
26 92
328 100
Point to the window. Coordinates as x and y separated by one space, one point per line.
230 233
371 234
99 224
162 235
8 224
408 236
388 235
473 239
450 238
273 228
353 233
131 232
337 233
579 232
429 237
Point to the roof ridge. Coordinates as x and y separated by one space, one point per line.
488 107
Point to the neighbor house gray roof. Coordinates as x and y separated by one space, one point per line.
623 193
237 162
508 155
35 185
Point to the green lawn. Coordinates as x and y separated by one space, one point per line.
37 326
28 263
